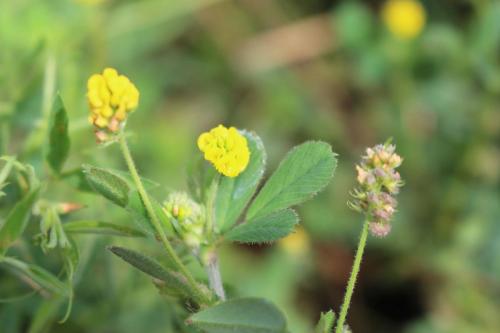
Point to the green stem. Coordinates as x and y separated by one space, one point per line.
213 272
352 278
212 194
196 290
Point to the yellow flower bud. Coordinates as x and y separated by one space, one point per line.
404 18
110 96
226 149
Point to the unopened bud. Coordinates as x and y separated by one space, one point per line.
189 216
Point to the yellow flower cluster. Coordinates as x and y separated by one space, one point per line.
226 149
404 18
111 97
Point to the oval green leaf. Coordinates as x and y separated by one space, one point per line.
101 228
305 170
13 227
265 229
37 275
242 315
153 268
58 142
108 184
234 194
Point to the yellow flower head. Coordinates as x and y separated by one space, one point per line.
226 149
404 18
111 97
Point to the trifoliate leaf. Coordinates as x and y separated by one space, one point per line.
305 170
265 229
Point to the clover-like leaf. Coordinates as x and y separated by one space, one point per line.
305 170
242 315
265 229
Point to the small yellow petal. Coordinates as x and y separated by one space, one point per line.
101 122
226 149
109 74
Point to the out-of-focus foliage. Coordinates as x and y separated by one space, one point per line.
290 71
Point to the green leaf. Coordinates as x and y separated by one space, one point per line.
5 171
108 184
117 189
77 179
13 227
305 170
71 257
44 315
265 229
148 183
138 211
242 315
101 228
37 275
234 193
154 269
200 178
58 143
325 323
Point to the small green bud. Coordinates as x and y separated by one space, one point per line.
189 215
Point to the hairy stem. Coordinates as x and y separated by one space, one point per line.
352 279
212 194
174 258
214 277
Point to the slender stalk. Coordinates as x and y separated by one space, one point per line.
211 261
212 194
352 279
213 273
197 291
35 139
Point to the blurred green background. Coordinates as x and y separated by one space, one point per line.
291 71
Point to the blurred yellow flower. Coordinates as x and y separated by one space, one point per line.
111 97
296 243
226 149
404 18
90 2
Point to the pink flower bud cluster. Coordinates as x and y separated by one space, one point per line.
379 182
